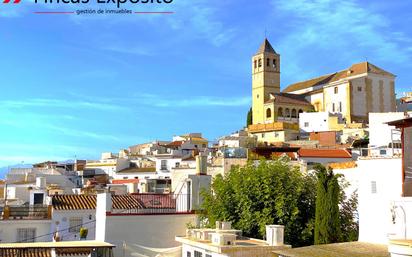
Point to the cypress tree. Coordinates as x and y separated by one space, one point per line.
327 218
249 117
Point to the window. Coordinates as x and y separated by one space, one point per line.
163 165
294 114
340 106
26 235
306 124
188 254
260 63
263 135
177 164
198 254
359 89
274 63
268 62
276 134
75 223
333 107
208 255
257 96
280 112
255 64
382 152
373 187
287 113
336 90
268 113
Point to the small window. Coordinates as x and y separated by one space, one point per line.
188 254
257 96
198 254
274 63
359 89
26 235
268 62
177 164
382 152
163 165
373 187
276 134
260 63
255 64
268 113
75 223
263 135
333 107
336 90
306 124
340 106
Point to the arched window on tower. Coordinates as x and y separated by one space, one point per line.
294 113
268 113
287 113
274 63
280 112
260 63
255 64
268 62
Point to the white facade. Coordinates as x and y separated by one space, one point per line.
136 235
380 185
380 133
12 231
65 220
314 122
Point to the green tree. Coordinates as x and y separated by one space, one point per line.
327 221
270 192
249 119
349 217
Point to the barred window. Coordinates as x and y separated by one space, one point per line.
75 223
26 235
198 254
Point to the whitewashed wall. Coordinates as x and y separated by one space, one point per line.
375 218
8 229
61 221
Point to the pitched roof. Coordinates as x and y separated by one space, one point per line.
25 252
285 98
355 69
324 153
266 47
88 202
74 202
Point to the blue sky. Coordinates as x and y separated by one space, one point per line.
79 85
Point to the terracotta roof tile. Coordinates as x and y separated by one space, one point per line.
25 252
285 98
74 202
324 153
355 69
88 202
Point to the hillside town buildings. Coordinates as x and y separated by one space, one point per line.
139 201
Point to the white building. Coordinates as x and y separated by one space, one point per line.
318 121
240 138
72 212
382 136
227 242
141 229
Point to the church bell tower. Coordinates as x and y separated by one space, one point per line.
265 79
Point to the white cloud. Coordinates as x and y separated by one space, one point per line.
332 26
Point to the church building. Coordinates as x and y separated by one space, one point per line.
350 94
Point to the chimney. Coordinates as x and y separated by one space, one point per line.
41 182
274 235
201 164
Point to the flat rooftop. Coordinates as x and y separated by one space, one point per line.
63 244
350 249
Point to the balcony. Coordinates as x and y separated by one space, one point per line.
26 213
275 126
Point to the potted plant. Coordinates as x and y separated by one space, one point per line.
83 233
